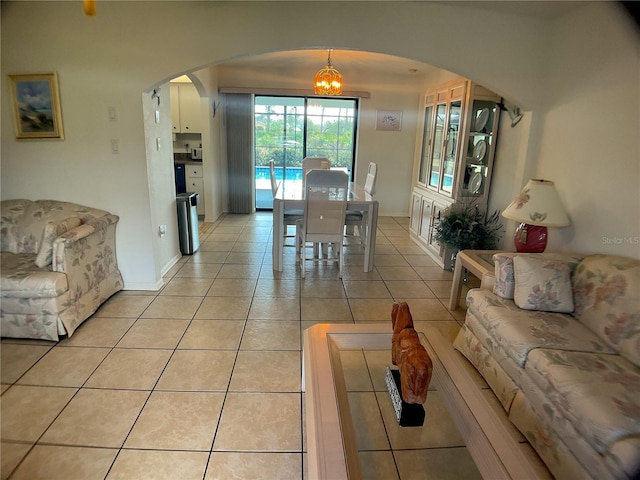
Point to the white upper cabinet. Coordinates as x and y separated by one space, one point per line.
185 108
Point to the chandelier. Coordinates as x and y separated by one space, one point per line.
89 8
328 80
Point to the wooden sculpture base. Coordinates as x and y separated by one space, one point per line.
407 414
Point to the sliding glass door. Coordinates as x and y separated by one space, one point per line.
287 129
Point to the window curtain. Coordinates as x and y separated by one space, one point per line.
240 176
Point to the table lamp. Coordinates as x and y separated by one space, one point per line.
536 208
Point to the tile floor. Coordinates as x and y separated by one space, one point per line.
200 380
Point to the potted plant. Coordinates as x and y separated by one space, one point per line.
467 227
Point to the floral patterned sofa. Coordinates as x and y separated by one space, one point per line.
58 265
558 341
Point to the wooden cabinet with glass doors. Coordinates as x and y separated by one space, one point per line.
458 142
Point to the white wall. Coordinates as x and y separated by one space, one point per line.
214 173
161 181
130 47
590 139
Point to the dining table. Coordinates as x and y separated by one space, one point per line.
290 196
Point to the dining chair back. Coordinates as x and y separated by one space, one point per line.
272 176
326 194
370 183
290 217
313 163
356 219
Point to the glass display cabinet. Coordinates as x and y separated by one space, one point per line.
458 140
478 158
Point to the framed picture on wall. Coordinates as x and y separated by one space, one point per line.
36 106
389 120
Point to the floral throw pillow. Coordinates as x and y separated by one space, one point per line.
51 232
505 283
542 284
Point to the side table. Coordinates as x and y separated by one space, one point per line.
480 264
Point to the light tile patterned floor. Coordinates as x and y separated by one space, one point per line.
201 380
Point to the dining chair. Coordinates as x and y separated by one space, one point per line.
326 194
355 218
370 183
313 163
291 216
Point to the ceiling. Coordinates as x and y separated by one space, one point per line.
353 60
343 60
531 8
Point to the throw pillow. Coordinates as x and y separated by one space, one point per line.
31 226
49 234
542 284
504 284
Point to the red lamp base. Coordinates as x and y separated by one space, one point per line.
530 238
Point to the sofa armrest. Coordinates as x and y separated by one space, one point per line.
87 253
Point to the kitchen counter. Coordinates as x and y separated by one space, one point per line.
185 159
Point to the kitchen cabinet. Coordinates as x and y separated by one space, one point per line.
457 148
185 108
195 183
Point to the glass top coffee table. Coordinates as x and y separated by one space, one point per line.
352 430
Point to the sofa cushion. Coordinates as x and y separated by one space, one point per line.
598 393
520 331
607 298
504 285
542 284
21 278
52 231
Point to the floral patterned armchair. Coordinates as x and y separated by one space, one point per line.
558 341
58 264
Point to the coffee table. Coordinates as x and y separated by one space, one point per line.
332 444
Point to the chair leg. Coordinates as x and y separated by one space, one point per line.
362 229
303 257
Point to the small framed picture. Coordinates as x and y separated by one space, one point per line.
389 120
36 106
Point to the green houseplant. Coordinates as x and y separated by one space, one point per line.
467 227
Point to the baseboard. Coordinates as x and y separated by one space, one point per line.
157 285
144 286
170 264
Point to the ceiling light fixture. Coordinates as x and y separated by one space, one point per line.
89 8
328 80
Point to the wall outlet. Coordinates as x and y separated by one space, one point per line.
162 230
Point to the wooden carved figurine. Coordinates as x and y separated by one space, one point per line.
409 355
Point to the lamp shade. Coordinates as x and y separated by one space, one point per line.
538 204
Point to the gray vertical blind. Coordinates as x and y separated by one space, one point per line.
239 123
